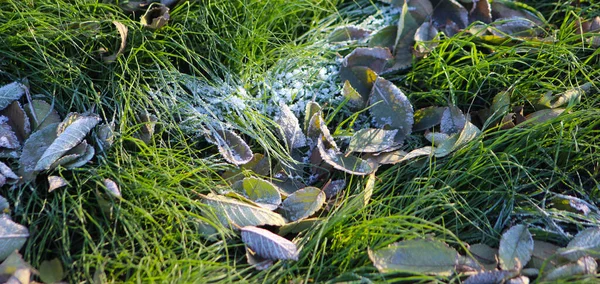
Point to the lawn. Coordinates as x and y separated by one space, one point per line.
299 141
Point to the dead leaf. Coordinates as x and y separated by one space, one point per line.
123 30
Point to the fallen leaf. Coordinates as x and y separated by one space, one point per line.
257 261
33 148
11 92
51 271
156 16
123 30
453 120
298 226
56 182
303 203
18 120
428 117
230 211
585 243
450 11
368 191
347 33
12 236
8 138
290 127
496 276
516 247
371 140
355 100
333 187
231 146
41 114
346 163
390 107
263 192
583 266
426 38
454 142
269 245
112 188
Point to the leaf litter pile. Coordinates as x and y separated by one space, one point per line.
269 205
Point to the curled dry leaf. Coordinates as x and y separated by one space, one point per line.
516 247
416 256
112 188
123 30
155 17
8 138
426 38
269 245
347 33
390 107
18 120
55 182
231 146
303 203
12 236
568 98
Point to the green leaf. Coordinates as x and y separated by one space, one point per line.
506 9
390 107
298 226
269 245
346 163
468 133
290 127
231 146
585 243
361 78
51 271
230 211
10 92
44 114
371 140
33 148
12 236
416 256
317 130
347 33
500 104
263 192
311 109
583 266
303 203
73 134
516 247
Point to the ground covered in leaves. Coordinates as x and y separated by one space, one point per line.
299 141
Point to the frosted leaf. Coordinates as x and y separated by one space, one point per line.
346 33
385 37
83 159
373 140
56 182
583 266
256 261
8 138
12 236
454 142
17 119
317 129
269 245
333 187
513 27
291 128
361 78
426 38
349 164
389 106
437 138
262 192
231 146
416 256
496 276
585 243
543 254
453 120
303 203
7 171
450 11
354 98
516 247
374 58
72 135
406 29
44 113
112 188
230 211
10 92
33 148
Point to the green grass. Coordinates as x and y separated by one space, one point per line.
505 177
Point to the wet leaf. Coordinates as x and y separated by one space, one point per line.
10 92
426 38
73 134
583 266
428 117
303 203
17 119
516 247
485 255
347 33
585 243
231 146
368 191
492 277
111 188
44 114
354 98
12 236
8 138
346 163
155 17
299 226
257 261
333 187
450 11
230 211
56 182
123 30
291 128
263 192
390 107
543 252
566 99
415 256
269 245
467 134
371 140
51 271
453 120
33 148
361 79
